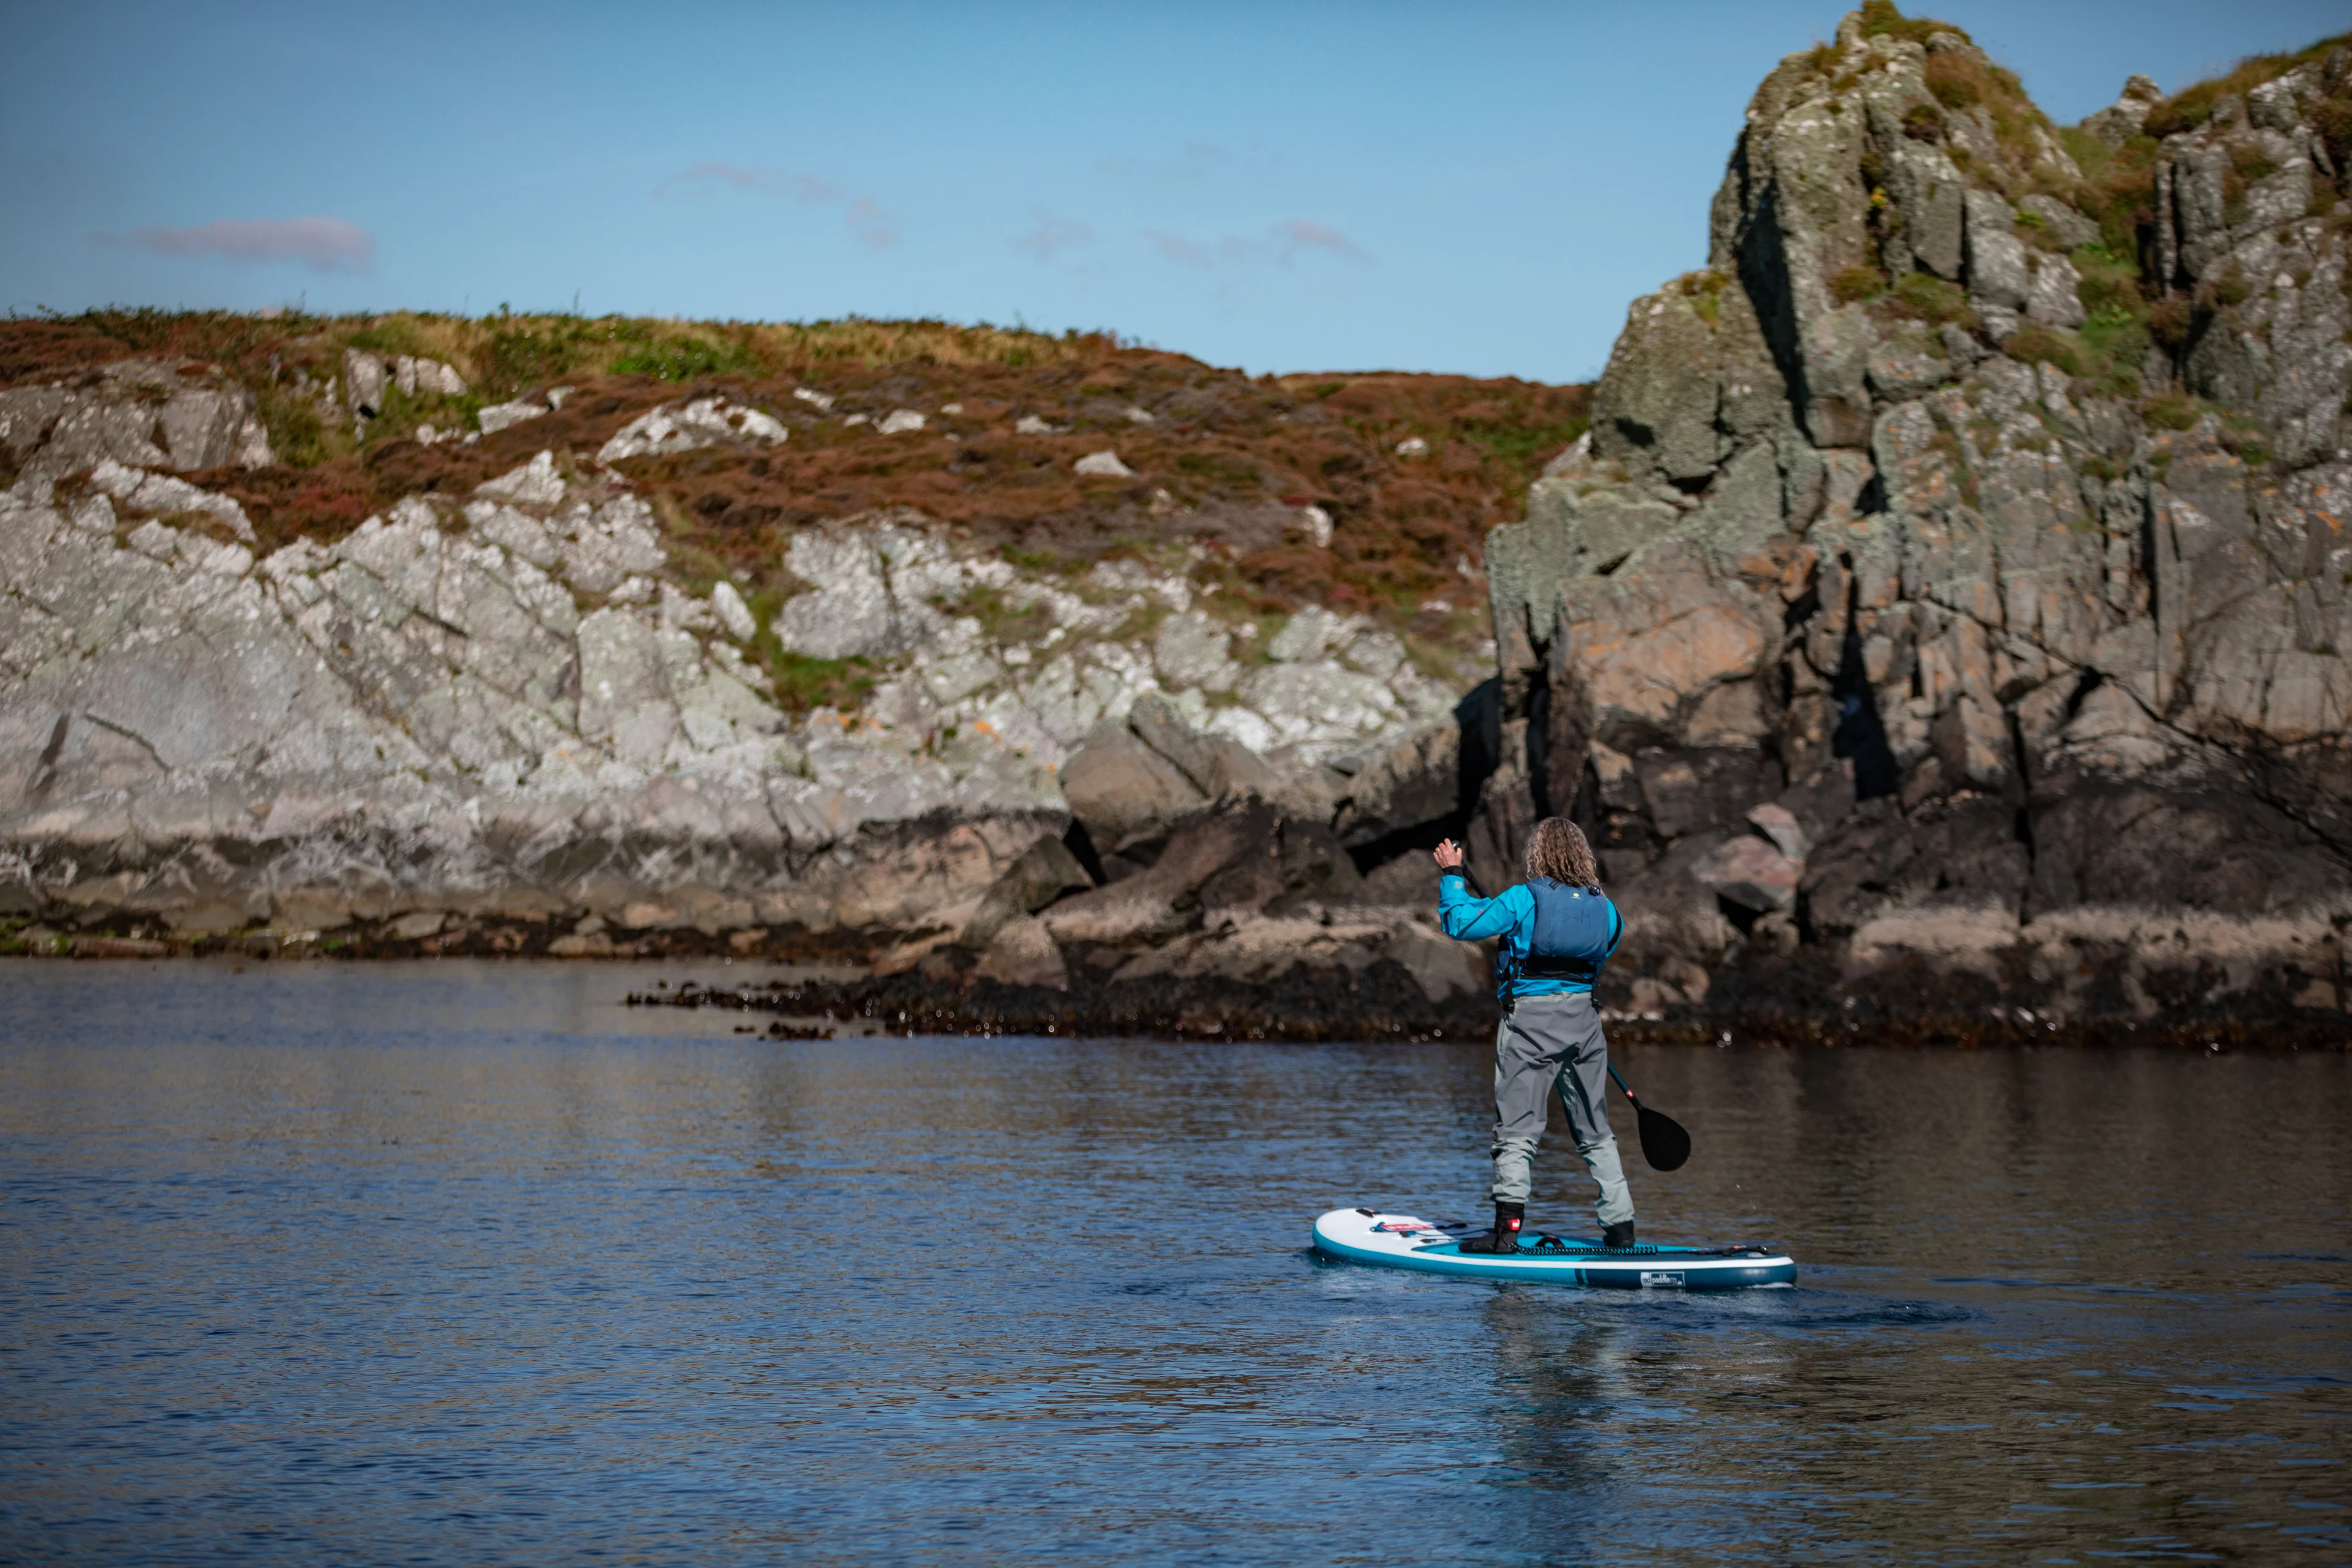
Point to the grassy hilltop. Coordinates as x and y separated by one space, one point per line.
1222 460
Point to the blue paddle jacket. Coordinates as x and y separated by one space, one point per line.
1511 915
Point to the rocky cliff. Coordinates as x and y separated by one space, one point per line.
311 644
1947 615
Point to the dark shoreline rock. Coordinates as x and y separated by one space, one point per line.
1306 1007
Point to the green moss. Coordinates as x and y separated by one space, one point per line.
683 359
1031 560
802 683
2193 106
1856 284
2229 288
1924 297
2117 341
1524 446
2110 279
1225 471
2170 411
1704 292
2332 118
524 353
299 435
1003 620
1880 19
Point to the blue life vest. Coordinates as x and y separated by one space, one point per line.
1572 940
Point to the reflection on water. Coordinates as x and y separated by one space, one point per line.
456 1263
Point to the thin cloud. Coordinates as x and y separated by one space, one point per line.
1282 243
323 244
1195 160
1053 235
1226 250
870 225
1297 234
720 173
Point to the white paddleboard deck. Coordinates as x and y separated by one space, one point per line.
1401 1241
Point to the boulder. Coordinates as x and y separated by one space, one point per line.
1750 872
141 413
1043 873
1216 765
366 378
1123 790
1998 274
1021 952
1413 780
1193 649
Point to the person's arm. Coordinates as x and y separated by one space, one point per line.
1464 916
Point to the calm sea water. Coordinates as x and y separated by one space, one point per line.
455 1264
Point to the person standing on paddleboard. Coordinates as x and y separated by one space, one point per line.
1557 928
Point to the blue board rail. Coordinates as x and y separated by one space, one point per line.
1403 1241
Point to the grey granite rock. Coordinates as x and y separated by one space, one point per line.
1123 790
1998 274
2011 594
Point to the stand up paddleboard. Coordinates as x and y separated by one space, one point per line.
1401 1241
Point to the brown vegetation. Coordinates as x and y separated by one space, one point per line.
1224 458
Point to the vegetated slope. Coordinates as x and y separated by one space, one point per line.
1215 456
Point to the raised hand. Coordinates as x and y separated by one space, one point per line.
1448 856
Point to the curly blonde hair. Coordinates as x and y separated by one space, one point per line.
1557 849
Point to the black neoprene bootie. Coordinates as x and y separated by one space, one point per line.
1618 1234
1505 1238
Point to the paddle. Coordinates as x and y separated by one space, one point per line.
1664 1142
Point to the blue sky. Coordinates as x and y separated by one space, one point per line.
1473 187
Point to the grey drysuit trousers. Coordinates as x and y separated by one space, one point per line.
1546 1040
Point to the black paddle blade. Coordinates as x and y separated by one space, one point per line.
1664 1142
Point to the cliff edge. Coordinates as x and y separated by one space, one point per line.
1947 611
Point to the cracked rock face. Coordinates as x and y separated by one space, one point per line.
489 705
504 706
1863 648
136 412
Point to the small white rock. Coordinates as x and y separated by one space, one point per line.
950 407
810 395
535 483
855 419
1412 446
899 419
1139 416
732 612
1106 464
498 417
1031 425
703 422
1317 524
